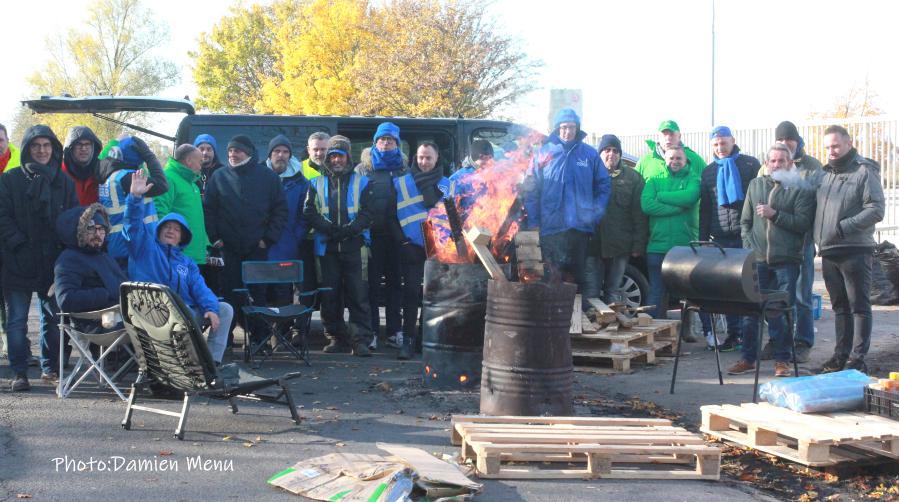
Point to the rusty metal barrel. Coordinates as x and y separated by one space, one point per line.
527 368
454 305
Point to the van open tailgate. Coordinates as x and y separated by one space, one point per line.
109 104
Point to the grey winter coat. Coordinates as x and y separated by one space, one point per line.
850 203
780 239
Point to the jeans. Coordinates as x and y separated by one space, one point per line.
805 322
734 322
656 286
385 263
779 277
18 303
218 339
604 275
565 253
848 281
231 278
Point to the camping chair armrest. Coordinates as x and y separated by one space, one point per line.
96 314
246 293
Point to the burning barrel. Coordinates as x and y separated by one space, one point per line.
527 368
454 304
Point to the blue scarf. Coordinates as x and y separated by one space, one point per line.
799 147
390 160
730 186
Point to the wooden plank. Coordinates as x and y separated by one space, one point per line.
606 421
604 314
781 450
588 327
576 317
699 449
653 439
527 239
525 253
842 431
473 434
624 458
478 235
644 320
554 429
506 473
795 431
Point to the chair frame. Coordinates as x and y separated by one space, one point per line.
119 339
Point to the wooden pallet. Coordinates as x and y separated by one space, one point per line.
593 352
812 439
598 442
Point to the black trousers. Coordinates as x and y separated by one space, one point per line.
413 259
385 263
310 276
342 272
231 278
848 281
566 254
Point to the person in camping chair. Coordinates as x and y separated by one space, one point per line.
160 259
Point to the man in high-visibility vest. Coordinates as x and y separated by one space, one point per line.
317 148
417 193
338 208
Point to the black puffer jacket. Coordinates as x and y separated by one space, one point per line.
245 204
380 183
723 221
31 199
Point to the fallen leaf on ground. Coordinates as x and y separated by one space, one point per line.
23 496
400 412
197 444
748 477
226 438
433 417
340 444
165 453
152 479
809 487
248 444
333 408
317 402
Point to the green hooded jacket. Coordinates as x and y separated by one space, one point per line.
672 203
183 198
652 164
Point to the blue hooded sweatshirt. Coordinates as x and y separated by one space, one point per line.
161 263
572 187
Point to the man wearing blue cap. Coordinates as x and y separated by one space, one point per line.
569 198
209 157
723 186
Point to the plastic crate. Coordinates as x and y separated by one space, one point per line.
883 403
816 306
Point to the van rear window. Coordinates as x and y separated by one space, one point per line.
261 135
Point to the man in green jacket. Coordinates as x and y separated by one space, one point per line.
777 213
672 203
183 198
653 164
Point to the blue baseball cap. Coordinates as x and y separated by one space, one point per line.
721 132
336 151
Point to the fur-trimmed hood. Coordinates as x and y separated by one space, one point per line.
365 167
72 227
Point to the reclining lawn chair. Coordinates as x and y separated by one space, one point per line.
109 345
171 351
277 320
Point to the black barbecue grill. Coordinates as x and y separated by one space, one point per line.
713 280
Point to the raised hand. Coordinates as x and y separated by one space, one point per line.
139 184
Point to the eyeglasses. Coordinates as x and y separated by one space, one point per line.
83 146
96 230
387 140
41 146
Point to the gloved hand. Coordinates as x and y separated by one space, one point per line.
343 234
143 151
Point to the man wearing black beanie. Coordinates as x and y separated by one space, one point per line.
246 212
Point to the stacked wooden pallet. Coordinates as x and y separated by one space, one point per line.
813 439
601 443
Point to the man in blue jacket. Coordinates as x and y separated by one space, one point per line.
160 259
571 188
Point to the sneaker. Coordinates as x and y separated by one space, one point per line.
802 351
742 366
831 366
407 350
20 383
395 341
781 369
731 343
711 341
336 347
50 377
767 352
34 361
374 344
361 350
856 364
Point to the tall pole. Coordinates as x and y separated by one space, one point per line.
713 63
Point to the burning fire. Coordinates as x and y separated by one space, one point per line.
494 191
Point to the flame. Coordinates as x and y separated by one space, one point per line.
463 378
496 188
435 375
427 369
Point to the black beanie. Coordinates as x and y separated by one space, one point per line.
787 130
609 140
279 140
243 143
480 147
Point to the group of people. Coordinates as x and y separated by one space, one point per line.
77 220
594 214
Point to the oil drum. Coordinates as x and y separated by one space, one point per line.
527 367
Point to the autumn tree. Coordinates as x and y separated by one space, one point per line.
117 48
860 101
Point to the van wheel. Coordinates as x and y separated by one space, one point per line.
634 287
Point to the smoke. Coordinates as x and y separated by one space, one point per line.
790 178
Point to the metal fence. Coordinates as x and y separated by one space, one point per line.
876 138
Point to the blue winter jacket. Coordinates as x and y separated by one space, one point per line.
572 187
162 263
295 188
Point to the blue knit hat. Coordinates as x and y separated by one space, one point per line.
387 129
129 156
205 138
567 115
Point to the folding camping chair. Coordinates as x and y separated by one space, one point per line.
298 317
171 351
109 344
